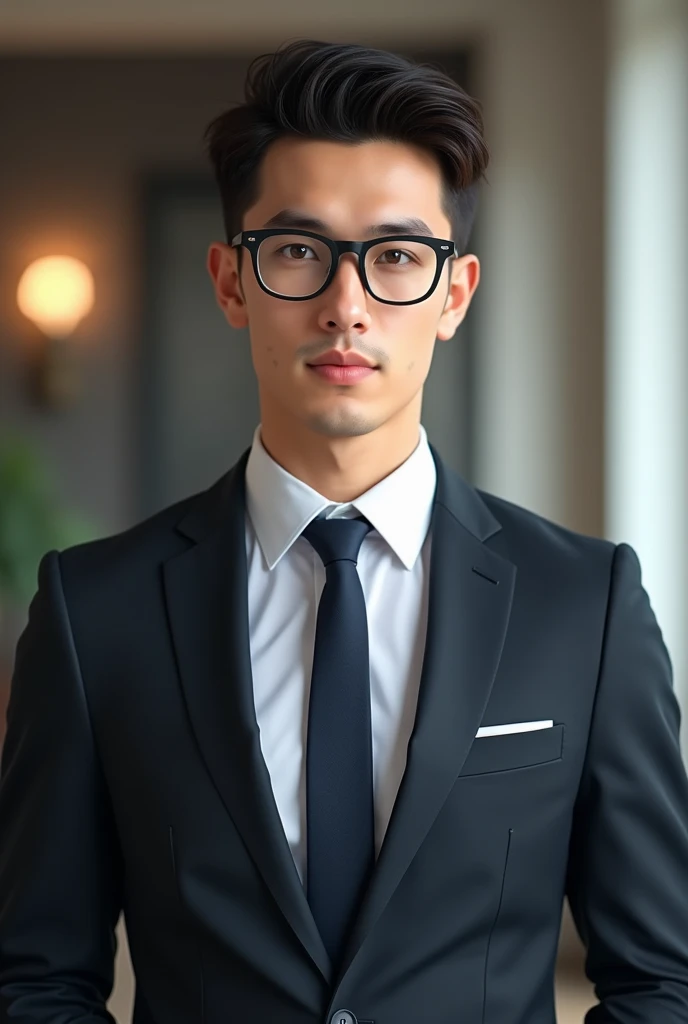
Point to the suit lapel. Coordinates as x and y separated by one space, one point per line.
470 594
206 593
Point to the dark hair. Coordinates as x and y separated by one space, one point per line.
349 93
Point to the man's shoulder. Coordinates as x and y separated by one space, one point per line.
132 554
527 534
514 530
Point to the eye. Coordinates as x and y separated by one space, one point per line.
397 256
297 252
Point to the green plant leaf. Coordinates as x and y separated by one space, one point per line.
32 520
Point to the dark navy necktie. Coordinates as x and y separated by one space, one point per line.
340 818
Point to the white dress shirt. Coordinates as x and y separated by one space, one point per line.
285 580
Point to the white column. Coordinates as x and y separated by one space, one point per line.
647 307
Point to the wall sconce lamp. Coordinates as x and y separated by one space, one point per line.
56 293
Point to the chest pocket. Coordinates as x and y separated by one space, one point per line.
514 750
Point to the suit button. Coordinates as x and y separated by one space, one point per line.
343 1017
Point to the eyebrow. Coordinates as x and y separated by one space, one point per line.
302 221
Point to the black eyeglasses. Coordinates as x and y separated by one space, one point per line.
297 265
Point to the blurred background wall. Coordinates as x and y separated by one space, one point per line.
567 388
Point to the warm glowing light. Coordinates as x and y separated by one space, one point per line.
56 292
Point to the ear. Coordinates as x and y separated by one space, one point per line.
222 266
465 276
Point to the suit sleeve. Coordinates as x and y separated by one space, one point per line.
60 869
628 869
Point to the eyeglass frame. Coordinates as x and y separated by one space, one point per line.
444 249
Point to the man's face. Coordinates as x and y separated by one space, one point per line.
348 188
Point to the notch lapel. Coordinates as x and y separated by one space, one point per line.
207 600
470 596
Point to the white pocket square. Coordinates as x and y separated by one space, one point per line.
502 730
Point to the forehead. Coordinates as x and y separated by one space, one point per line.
349 186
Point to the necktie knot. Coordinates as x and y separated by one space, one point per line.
337 540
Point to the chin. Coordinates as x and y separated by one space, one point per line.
341 423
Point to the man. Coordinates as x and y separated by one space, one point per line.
339 734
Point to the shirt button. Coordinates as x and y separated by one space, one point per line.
343 1017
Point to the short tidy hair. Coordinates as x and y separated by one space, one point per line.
349 93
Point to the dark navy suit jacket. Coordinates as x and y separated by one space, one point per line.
132 778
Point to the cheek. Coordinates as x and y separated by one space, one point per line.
411 338
276 328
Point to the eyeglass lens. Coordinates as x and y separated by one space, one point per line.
298 267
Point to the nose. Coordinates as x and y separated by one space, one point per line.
344 305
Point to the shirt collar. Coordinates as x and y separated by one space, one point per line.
281 506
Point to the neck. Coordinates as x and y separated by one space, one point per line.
340 468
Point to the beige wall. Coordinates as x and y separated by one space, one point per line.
541 347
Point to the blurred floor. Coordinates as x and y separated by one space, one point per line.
574 997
